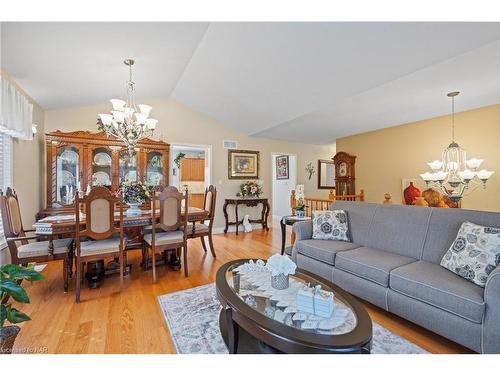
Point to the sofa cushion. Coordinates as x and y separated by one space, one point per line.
474 254
400 229
323 250
371 264
435 285
444 225
330 225
360 216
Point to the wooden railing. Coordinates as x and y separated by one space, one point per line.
319 204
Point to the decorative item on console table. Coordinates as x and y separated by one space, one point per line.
249 202
11 276
249 189
74 152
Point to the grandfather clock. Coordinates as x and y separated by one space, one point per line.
344 173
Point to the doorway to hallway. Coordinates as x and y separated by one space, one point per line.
191 170
284 180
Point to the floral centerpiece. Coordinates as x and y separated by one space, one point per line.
281 267
249 189
134 193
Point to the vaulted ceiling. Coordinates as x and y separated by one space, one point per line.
306 82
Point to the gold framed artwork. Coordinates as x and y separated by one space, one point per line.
243 164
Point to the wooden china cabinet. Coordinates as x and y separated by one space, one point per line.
82 159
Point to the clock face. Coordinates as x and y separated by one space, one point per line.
343 169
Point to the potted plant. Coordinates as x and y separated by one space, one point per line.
178 159
300 208
11 276
134 193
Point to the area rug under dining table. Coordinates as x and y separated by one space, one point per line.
192 318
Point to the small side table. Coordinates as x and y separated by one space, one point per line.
289 220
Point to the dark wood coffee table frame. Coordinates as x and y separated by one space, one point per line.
246 330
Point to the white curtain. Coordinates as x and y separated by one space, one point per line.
16 112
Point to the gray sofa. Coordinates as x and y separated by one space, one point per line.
393 262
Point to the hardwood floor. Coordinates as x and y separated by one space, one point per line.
107 321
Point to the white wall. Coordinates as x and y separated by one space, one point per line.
283 188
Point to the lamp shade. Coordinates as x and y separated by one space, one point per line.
106 118
145 109
151 123
118 104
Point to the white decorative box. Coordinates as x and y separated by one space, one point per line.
315 301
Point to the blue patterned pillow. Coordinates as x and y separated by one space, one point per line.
475 253
330 225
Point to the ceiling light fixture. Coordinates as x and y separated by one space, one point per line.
454 174
128 122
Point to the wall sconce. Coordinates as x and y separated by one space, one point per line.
34 129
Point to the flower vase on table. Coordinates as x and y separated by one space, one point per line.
281 267
134 194
133 209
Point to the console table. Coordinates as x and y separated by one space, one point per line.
249 202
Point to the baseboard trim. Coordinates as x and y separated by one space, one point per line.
232 228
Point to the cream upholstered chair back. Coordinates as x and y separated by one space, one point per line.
210 199
11 214
172 203
100 206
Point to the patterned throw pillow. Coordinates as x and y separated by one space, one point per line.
475 253
330 225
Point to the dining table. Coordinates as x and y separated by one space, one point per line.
64 225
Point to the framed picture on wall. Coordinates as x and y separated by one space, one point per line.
282 167
243 164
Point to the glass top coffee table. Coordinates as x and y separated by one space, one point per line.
259 319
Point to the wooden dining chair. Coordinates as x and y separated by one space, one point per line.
204 229
170 232
22 251
100 230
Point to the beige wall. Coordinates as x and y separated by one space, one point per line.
180 124
386 156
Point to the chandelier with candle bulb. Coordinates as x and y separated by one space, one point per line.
128 122
454 175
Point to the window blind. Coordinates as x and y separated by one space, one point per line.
5 173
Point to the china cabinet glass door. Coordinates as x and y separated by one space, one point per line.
101 167
127 166
154 169
67 174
